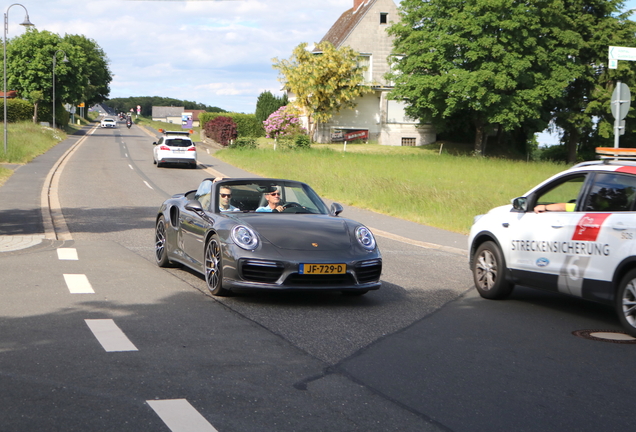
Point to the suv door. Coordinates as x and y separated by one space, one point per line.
607 227
536 240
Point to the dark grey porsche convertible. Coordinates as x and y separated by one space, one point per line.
255 234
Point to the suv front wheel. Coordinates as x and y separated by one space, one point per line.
626 302
489 271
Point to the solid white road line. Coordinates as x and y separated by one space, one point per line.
147 184
67 254
78 284
109 335
180 416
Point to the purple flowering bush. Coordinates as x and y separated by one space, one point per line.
283 123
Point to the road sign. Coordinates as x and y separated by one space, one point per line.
620 53
621 100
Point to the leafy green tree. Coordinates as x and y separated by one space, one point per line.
30 67
496 61
583 110
267 103
96 71
324 81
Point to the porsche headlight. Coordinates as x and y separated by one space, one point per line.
365 238
244 237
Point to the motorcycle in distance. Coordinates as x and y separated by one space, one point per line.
128 123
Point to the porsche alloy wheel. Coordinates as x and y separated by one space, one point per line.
161 254
214 267
489 272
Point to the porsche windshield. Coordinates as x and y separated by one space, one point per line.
268 197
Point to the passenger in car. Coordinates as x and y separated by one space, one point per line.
225 194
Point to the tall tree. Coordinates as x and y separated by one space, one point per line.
582 111
324 81
497 61
97 73
30 67
267 103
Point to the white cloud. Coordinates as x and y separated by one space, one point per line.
214 52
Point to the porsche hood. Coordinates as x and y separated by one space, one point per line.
302 232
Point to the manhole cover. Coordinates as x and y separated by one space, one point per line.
606 336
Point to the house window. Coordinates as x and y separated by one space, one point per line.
384 17
410 142
364 60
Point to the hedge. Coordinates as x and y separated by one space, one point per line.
247 125
22 110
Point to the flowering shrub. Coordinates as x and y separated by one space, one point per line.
282 123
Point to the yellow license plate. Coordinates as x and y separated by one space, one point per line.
312 269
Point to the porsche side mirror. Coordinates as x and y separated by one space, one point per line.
520 204
194 206
336 209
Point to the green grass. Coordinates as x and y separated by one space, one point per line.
4 175
27 140
444 191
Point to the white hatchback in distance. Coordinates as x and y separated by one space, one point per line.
175 147
575 233
108 122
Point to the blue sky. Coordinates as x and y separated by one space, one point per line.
215 52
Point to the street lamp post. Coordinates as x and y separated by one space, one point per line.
26 23
65 60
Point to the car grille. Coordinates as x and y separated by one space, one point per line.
260 271
369 271
315 280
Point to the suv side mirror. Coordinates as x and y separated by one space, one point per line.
520 204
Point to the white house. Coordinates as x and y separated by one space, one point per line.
167 114
364 29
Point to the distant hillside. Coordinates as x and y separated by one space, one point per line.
147 102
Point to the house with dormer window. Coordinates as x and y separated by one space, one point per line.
376 117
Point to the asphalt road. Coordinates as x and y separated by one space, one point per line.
423 353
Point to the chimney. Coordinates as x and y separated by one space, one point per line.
357 3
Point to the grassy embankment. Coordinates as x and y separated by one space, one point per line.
416 184
26 141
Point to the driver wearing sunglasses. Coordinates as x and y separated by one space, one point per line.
225 194
273 202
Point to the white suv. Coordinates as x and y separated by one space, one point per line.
586 248
175 147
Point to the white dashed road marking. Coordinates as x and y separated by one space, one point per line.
131 167
147 184
110 336
78 284
180 416
67 254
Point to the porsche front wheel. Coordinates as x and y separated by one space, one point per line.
161 252
214 267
